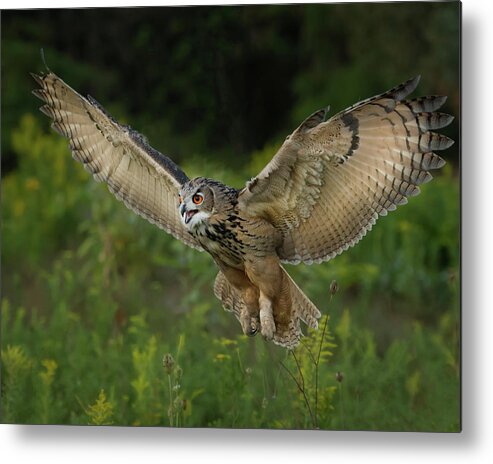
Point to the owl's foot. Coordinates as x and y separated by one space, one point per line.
267 328
267 324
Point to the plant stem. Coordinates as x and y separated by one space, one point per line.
317 362
342 405
170 409
301 387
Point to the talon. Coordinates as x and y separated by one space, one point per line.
253 331
250 325
254 324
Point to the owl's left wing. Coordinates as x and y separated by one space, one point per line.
147 181
331 180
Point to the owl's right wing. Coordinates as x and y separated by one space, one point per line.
332 179
144 179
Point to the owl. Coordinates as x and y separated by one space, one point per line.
324 189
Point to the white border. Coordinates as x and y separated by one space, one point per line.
53 444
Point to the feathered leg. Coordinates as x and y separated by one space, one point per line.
238 295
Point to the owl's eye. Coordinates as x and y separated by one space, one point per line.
180 199
198 198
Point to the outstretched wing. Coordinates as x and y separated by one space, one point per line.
331 180
144 179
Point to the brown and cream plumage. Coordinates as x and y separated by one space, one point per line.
320 194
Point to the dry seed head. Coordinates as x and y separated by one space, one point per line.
451 276
179 404
333 287
339 376
168 363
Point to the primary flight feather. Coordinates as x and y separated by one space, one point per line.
320 194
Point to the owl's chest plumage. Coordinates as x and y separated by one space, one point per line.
219 236
232 238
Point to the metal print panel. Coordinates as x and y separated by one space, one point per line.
202 241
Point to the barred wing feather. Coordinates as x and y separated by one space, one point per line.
331 180
144 179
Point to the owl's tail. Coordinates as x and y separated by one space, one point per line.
288 332
302 306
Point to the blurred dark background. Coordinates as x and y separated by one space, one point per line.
228 80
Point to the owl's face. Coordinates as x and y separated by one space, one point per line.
196 203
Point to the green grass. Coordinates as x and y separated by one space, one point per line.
94 299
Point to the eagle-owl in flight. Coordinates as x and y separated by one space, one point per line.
320 194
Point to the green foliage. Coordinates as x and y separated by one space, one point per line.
101 412
46 378
413 375
94 307
97 302
38 201
16 367
310 377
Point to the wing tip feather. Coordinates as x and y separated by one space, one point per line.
39 78
439 163
403 90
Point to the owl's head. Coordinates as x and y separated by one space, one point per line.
196 202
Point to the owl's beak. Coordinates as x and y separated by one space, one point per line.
187 214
